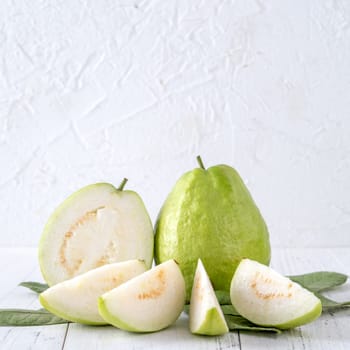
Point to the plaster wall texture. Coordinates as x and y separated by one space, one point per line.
100 90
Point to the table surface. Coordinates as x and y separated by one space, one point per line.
330 331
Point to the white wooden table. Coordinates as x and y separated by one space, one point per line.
331 331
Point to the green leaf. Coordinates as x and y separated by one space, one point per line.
319 281
22 317
223 297
238 323
229 310
35 286
328 303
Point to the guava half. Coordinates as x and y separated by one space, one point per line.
206 316
97 225
147 303
76 299
265 297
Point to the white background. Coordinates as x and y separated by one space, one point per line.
100 90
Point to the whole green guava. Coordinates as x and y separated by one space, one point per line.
210 215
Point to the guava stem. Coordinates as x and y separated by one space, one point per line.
121 186
200 162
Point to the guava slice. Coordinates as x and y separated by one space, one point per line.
147 303
96 225
265 297
206 316
76 299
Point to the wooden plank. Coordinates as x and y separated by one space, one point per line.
330 331
173 338
17 265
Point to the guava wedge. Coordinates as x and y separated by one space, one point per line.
76 299
147 303
265 297
97 225
210 214
206 316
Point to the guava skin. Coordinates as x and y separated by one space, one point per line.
210 215
213 324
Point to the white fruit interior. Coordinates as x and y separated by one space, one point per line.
203 299
265 297
76 299
96 226
149 302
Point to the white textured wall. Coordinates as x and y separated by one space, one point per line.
98 90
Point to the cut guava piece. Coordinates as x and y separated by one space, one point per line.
210 214
97 225
76 299
147 303
206 316
265 297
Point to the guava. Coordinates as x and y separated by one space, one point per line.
97 225
265 297
76 299
206 316
210 215
148 302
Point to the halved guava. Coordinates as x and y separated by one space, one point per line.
96 225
